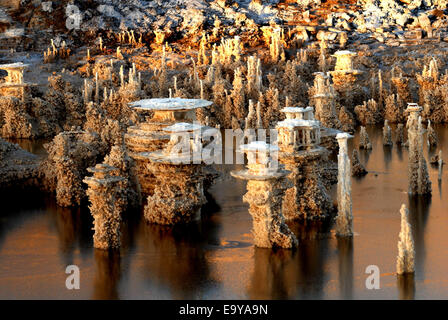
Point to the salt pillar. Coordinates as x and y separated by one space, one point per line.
364 141
265 190
344 220
107 201
419 182
387 134
406 252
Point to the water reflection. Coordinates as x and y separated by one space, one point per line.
419 207
107 274
275 274
179 257
406 286
345 267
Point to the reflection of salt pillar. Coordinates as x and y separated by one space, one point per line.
406 252
344 220
108 200
265 190
440 165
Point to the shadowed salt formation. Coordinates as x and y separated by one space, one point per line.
387 134
324 101
179 187
406 251
419 183
344 220
299 139
432 136
69 155
358 170
14 84
399 134
149 136
440 164
266 185
17 167
364 141
107 196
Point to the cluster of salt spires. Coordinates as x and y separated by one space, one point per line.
134 80
51 53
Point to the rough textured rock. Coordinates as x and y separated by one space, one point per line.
419 183
69 155
107 196
358 170
18 168
344 219
364 141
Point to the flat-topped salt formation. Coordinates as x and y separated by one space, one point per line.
266 184
299 113
298 123
344 53
170 104
14 66
256 146
413 107
183 127
343 135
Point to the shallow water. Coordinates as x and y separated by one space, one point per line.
215 258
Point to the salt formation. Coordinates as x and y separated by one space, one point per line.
266 185
358 170
299 139
69 155
344 220
440 163
387 134
419 182
14 84
343 73
107 196
149 136
364 141
432 136
179 187
17 167
324 101
406 251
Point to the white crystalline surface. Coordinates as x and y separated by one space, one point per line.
258 146
343 135
293 109
293 123
182 126
170 104
14 65
343 53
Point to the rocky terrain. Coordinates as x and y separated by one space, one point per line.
89 59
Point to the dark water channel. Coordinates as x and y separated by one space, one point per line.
215 258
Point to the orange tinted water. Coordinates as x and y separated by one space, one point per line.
215 258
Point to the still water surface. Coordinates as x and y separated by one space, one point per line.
215 258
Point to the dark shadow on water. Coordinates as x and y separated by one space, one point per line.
107 274
178 256
387 150
345 267
399 149
419 211
274 275
406 286
73 228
